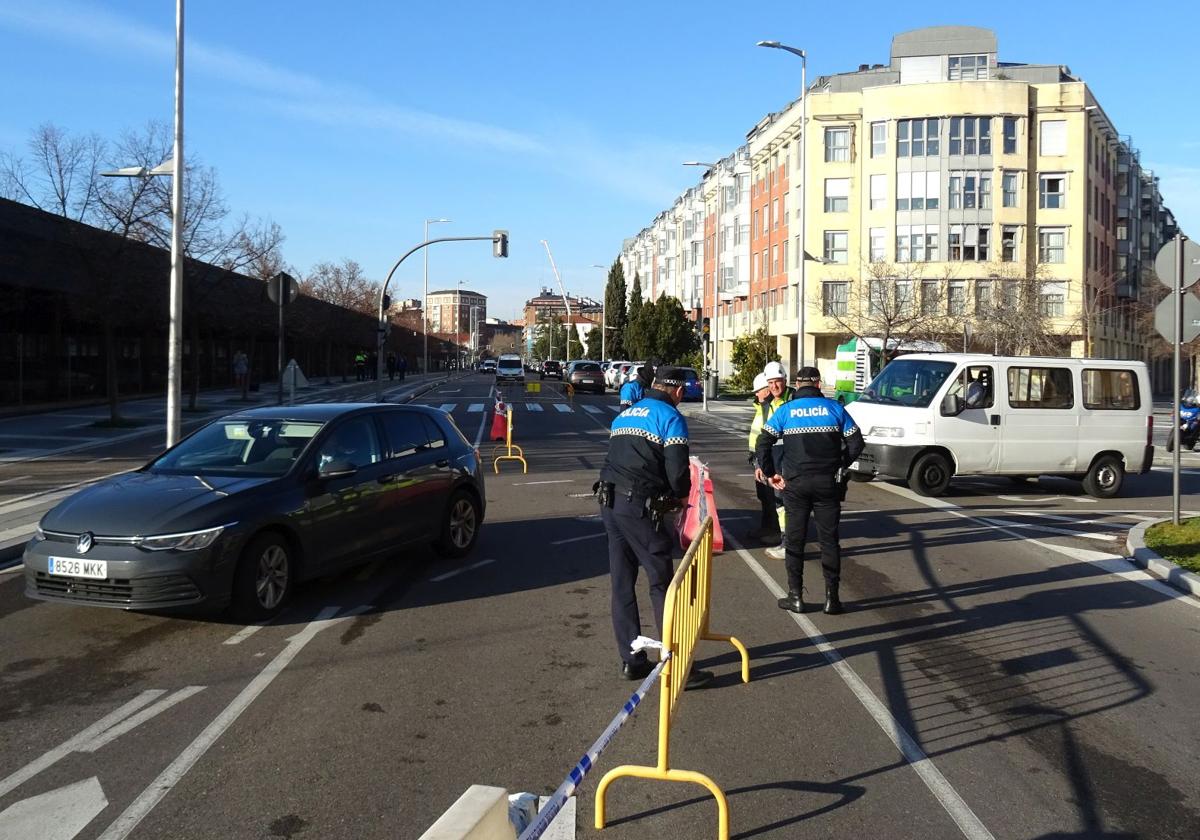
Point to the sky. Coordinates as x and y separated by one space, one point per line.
351 123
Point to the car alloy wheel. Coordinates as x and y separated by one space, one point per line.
271 584
463 523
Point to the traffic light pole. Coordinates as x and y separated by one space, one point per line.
499 240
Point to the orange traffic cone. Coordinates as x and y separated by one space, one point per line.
499 421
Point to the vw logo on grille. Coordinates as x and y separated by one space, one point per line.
84 544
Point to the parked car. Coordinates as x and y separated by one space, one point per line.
928 417
612 372
251 504
551 368
586 376
693 388
509 369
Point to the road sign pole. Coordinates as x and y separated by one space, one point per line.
283 293
1178 376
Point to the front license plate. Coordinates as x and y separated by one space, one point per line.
588 381
75 567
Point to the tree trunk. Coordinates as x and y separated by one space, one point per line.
194 390
110 372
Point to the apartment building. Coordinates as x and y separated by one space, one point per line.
946 180
456 312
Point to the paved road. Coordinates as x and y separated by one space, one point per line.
1001 672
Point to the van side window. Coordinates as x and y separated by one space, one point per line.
974 386
1110 390
1040 387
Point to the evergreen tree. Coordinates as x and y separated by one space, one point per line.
633 330
593 344
616 313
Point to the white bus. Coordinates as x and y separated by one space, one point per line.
929 417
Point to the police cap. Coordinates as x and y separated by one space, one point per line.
808 373
672 377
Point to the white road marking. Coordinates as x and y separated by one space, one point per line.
968 823
447 407
451 391
168 778
14 479
1046 529
483 419
51 494
1083 499
56 815
578 539
130 723
448 575
563 407
1112 563
245 633
51 757
533 407
16 567
593 409
615 409
531 483
474 408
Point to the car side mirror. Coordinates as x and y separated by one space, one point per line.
337 468
952 405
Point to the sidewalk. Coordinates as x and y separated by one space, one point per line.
731 415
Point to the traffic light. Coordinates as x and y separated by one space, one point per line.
704 328
499 243
387 302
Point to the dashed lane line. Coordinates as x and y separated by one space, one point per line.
593 409
447 407
456 572
533 407
563 407
580 539
474 408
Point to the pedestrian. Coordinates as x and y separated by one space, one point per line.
391 365
633 390
820 440
360 365
770 528
241 371
778 393
646 475
403 368
372 365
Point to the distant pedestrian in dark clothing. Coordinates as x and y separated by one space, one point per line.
372 366
391 366
360 365
403 367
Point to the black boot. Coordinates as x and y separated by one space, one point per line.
792 603
833 604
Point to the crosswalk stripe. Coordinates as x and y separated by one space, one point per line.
474 408
563 407
593 409
615 409
446 407
532 407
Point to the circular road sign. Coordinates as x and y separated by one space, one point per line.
1165 268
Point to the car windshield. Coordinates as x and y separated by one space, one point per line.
911 382
510 363
244 448
587 367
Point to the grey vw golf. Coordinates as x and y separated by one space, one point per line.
251 504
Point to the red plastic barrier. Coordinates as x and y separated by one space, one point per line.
700 505
499 421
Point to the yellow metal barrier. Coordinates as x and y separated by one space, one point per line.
510 447
533 387
686 618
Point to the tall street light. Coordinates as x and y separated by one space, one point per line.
173 167
603 316
716 319
803 289
425 300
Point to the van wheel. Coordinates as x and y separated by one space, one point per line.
930 475
1104 479
1171 441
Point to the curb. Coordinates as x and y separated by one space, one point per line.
719 422
1166 571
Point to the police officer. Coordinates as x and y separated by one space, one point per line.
645 475
633 390
820 440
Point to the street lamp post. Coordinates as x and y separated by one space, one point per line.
715 376
603 317
425 300
803 287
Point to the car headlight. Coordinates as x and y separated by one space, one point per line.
39 533
886 432
189 541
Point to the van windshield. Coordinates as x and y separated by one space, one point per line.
911 382
510 363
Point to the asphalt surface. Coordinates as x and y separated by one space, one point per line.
1001 672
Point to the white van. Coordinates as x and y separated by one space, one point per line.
928 417
509 367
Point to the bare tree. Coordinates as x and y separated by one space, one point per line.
342 284
60 176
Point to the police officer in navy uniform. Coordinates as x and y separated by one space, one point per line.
820 440
635 389
645 476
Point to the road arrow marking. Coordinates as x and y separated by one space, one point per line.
141 717
57 815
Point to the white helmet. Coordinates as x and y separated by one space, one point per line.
774 370
760 382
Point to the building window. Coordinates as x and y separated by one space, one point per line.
757 213
906 297
798 254
1054 299
1052 244
983 297
878 139
878 192
784 208
878 251
970 190
775 212
1009 294
917 138
837 145
837 195
969 243
775 267
970 135
931 298
877 297
968 68
1053 138
836 246
835 298
1052 191
1009 185
1010 135
1008 243
918 190
956 297
916 243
